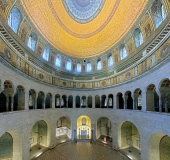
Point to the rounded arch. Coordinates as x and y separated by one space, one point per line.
40 132
63 128
154 144
128 135
32 99
83 127
11 143
119 101
104 126
8 85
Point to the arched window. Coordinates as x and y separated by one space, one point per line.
14 19
58 61
46 53
110 61
99 64
68 65
78 67
158 12
138 37
32 40
88 67
123 52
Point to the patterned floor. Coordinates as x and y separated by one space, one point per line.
82 151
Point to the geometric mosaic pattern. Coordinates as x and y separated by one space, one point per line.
83 11
81 151
6 144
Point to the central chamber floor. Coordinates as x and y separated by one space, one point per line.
82 151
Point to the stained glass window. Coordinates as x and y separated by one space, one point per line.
78 67
99 64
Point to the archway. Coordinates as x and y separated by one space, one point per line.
32 99
159 144
97 101
11 145
165 95
128 100
83 127
64 101
19 99
103 101
152 99
39 138
77 101
83 102
89 101
63 129
48 101
40 100
120 101
70 101
8 92
129 139
104 127
57 101
137 99
110 101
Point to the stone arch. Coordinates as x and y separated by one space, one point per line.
41 100
128 100
32 99
19 98
104 129
152 98
137 95
119 101
128 135
13 142
154 144
40 135
57 101
83 129
63 128
48 100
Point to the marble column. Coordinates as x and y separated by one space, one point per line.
125 101
143 100
53 101
26 100
7 102
166 105
12 102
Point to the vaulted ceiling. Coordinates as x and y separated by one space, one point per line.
83 28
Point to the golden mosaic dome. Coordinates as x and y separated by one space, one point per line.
83 28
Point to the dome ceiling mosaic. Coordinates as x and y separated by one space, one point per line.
83 11
83 28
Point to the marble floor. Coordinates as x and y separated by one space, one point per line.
133 153
82 151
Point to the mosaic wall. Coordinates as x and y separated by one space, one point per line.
165 148
6 143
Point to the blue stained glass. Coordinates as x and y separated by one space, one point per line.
46 53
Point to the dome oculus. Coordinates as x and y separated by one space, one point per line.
83 11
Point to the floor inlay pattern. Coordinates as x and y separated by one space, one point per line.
82 151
